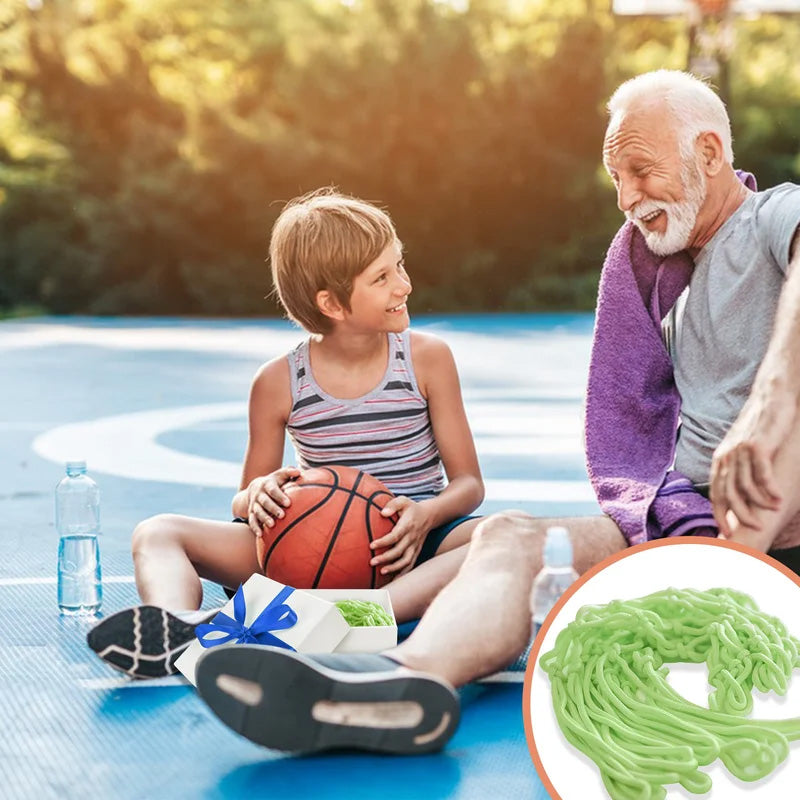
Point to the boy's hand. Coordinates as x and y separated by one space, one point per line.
266 500
404 541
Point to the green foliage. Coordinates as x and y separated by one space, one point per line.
147 147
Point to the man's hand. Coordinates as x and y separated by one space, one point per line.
742 475
405 540
266 500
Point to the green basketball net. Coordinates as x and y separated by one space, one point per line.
612 701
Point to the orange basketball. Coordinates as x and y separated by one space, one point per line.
323 540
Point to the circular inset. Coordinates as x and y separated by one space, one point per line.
627 696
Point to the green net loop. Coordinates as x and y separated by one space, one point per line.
608 675
363 613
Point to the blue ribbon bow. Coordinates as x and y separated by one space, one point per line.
276 616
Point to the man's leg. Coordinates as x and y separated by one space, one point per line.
412 593
403 701
482 620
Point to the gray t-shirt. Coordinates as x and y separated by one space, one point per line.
719 329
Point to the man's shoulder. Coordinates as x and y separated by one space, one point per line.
776 194
776 202
786 186
776 217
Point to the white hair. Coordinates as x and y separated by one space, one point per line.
694 105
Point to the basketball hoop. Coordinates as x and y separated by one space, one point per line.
711 39
712 8
710 26
707 8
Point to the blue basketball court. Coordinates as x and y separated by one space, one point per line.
158 410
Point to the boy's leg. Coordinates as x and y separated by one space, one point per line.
171 553
482 620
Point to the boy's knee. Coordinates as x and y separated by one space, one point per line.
155 532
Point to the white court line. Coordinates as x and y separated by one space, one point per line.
105 684
245 340
51 581
132 683
503 677
510 491
125 445
26 426
557 358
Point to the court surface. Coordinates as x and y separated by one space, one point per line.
157 408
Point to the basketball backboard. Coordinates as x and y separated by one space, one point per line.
678 8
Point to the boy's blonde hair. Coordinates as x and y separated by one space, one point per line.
322 241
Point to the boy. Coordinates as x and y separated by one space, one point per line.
361 390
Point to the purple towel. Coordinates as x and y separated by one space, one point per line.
632 404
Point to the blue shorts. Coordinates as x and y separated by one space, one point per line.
436 536
432 541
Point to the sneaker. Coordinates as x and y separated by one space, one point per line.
143 641
298 703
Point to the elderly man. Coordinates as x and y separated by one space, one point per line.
724 362
732 336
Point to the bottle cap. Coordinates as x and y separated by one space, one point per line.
557 547
76 467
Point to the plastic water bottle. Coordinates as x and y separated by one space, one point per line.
555 576
80 589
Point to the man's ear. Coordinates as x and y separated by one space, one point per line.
329 305
712 155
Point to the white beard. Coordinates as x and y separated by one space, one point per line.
681 216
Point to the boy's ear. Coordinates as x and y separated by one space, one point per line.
328 304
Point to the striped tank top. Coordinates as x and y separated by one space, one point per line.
386 432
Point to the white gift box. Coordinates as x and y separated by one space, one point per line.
319 628
367 639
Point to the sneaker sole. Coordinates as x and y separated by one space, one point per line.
143 641
292 699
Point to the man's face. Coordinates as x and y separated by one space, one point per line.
660 191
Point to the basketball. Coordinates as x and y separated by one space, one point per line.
323 540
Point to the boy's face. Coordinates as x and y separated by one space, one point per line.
378 300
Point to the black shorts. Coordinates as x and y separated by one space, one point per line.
788 556
435 537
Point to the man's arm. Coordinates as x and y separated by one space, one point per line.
742 470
